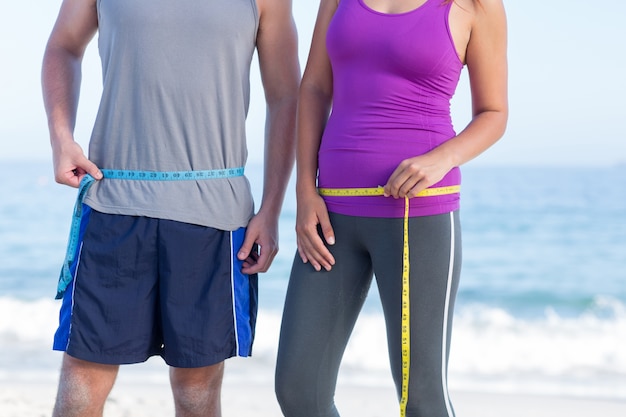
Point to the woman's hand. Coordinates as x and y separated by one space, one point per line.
313 216
416 174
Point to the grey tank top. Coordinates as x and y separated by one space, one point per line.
175 98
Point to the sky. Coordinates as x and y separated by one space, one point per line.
567 88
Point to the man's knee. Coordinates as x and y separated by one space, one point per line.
83 387
197 390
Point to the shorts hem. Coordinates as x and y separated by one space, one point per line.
176 362
109 359
198 362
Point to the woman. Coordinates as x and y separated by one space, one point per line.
388 68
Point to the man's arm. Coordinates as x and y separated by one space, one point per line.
61 75
277 47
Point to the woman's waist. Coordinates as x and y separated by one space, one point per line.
380 206
342 127
346 168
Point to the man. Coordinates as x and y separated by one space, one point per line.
165 250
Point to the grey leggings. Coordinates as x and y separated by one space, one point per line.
321 309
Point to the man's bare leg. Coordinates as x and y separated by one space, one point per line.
83 388
197 391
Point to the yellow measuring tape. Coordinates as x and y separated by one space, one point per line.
378 191
406 316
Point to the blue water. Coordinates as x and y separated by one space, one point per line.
544 237
541 305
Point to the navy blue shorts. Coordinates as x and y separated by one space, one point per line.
144 286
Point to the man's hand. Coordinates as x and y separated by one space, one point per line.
71 165
260 245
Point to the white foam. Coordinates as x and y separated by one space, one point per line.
491 349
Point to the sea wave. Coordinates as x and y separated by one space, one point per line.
492 350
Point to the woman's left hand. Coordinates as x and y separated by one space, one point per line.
416 174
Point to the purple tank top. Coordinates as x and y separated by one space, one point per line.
394 76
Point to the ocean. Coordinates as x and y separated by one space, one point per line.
541 306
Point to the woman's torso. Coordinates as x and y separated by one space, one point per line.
393 78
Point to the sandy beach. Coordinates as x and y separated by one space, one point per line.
254 399
243 396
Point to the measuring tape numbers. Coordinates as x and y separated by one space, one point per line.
406 311
114 174
379 191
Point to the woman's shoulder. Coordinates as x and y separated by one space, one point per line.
477 7
477 12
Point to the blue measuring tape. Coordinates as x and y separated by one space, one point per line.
116 174
71 253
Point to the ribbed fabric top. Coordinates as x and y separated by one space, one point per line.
176 95
394 76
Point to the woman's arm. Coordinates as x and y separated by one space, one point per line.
314 105
486 57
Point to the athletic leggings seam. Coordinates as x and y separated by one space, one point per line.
446 312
